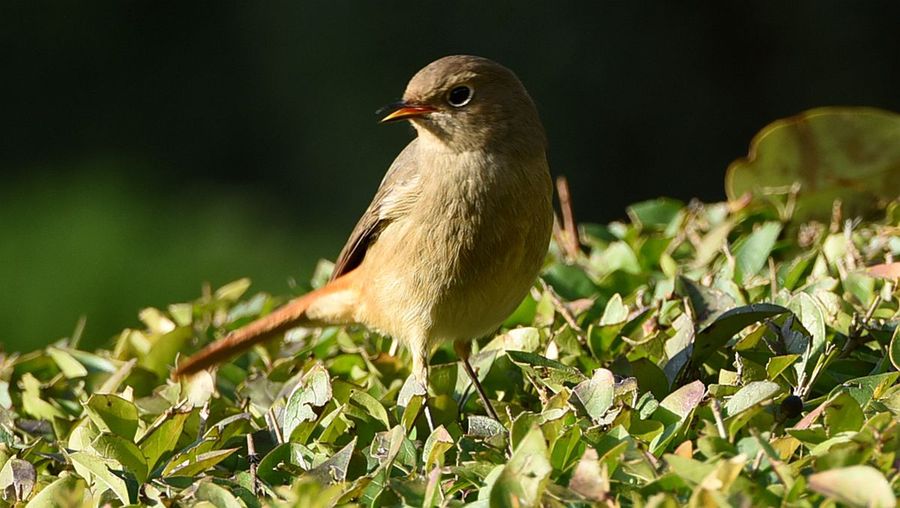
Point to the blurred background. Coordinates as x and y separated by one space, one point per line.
149 147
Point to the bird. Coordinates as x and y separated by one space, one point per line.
455 235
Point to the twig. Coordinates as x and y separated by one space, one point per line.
569 231
717 414
563 310
858 327
204 416
272 422
773 279
253 459
78 332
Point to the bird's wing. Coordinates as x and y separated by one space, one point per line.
398 190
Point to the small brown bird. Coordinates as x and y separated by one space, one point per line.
456 233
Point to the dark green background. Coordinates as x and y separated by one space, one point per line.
147 147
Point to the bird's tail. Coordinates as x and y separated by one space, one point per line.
331 304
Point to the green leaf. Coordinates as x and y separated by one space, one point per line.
198 464
650 377
217 496
163 437
70 367
655 214
372 406
751 254
124 452
100 469
523 480
683 400
707 302
114 414
615 312
335 468
753 393
726 326
844 153
552 372
32 401
864 389
691 470
894 349
674 412
271 468
164 348
619 256
570 282
843 414
232 291
313 391
596 394
812 317
679 347
67 490
777 364
17 479
712 244
435 446
857 486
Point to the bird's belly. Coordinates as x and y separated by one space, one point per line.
457 282
482 295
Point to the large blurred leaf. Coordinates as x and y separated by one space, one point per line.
851 154
857 486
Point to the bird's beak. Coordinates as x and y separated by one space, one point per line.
400 110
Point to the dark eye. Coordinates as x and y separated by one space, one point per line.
459 96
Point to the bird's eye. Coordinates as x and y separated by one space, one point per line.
459 96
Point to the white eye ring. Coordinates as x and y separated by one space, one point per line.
459 96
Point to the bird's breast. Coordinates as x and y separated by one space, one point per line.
466 253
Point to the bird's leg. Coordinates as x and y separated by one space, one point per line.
420 373
463 349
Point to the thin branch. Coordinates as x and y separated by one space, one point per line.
569 231
564 311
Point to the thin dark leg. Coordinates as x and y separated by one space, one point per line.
463 350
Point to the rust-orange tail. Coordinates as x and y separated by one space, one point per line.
290 315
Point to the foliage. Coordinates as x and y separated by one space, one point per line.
701 354
849 154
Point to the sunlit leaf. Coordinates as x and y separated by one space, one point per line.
101 471
113 414
857 486
751 394
314 391
845 153
67 490
17 479
523 479
123 451
596 394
